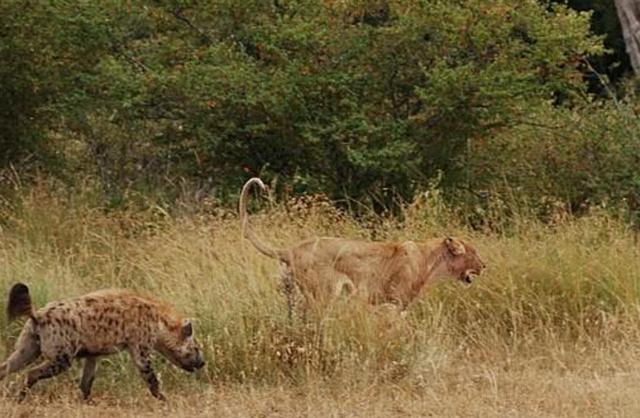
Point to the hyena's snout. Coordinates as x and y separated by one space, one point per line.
193 362
199 363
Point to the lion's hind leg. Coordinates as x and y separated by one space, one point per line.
343 286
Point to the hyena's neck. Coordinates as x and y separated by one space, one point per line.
165 336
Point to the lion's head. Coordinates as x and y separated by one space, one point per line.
462 260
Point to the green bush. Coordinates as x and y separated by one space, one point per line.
560 162
361 99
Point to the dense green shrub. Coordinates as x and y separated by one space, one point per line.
559 162
354 99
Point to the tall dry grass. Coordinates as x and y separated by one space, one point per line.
556 301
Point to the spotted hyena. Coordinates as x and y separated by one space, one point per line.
94 325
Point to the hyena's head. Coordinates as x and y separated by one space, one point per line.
181 348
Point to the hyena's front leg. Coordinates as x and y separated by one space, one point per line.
88 374
27 350
46 370
141 358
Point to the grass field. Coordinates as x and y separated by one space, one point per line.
551 328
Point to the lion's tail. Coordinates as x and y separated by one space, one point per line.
247 232
19 303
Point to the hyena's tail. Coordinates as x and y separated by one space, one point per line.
19 303
28 345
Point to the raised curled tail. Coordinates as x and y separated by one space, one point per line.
19 303
244 219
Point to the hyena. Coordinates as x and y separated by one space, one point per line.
94 325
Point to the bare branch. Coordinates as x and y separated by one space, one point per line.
177 13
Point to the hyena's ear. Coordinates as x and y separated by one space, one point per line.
187 329
455 246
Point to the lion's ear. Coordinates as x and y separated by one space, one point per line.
455 246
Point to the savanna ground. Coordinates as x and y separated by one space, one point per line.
551 328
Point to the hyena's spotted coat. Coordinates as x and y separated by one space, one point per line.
97 324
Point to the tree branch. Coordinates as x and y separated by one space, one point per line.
177 13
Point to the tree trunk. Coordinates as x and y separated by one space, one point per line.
629 15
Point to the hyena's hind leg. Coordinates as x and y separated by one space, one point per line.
48 369
88 374
26 351
141 358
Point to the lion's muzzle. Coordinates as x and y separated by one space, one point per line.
468 276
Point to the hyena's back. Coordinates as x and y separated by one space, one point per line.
99 323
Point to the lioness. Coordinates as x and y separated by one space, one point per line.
381 272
